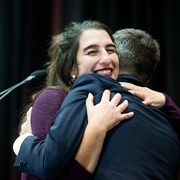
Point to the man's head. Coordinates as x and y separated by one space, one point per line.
138 52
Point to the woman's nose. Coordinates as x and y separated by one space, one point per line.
105 58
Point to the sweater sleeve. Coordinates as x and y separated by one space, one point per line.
173 113
171 109
44 109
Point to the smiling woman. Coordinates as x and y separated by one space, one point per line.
83 48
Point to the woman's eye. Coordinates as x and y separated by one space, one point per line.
92 53
110 51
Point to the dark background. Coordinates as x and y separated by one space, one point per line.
25 30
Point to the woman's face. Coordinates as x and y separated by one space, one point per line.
97 54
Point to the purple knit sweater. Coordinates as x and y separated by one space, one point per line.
44 109
171 109
173 113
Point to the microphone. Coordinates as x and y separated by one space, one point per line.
34 75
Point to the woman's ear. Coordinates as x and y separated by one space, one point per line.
74 73
73 76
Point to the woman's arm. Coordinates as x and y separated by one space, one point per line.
159 100
39 118
155 99
44 110
148 96
170 107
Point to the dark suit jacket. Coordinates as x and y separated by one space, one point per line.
144 147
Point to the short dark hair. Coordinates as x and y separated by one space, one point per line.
138 52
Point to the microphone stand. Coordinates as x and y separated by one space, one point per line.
7 91
34 75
